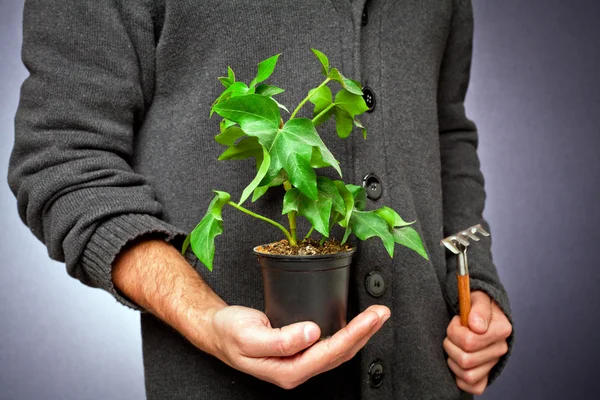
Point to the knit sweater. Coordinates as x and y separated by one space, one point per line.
113 142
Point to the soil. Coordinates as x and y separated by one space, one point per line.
304 248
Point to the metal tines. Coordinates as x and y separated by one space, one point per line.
459 242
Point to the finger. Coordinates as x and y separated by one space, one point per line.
500 325
474 375
331 352
476 389
472 360
358 346
263 341
481 312
466 339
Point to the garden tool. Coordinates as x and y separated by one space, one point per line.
458 244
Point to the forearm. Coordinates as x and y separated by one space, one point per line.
156 276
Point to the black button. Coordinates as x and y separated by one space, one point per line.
375 283
365 17
376 374
372 185
369 97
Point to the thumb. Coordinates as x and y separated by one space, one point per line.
264 341
481 312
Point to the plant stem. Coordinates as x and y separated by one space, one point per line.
291 216
329 107
308 97
270 221
312 228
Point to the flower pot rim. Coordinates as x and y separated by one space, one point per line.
305 257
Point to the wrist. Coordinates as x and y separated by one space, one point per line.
153 273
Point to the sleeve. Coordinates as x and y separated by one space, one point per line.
462 180
90 81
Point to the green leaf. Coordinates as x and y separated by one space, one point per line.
268 90
348 84
229 136
317 212
348 202
225 124
391 217
265 69
322 99
328 189
409 237
292 150
347 233
262 171
352 103
324 61
352 86
257 115
343 123
202 238
347 105
361 127
186 244
229 80
367 224
236 89
360 196
259 191
336 75
247 147
284 108
300 173
291 201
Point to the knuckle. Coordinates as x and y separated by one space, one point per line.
507 331
469 377
450 330
503 348
465 361
285 345
468 342
446 344
478 390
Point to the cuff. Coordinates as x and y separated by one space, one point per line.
110 237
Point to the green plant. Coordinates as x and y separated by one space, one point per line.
287 153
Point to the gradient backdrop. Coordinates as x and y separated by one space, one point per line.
536 98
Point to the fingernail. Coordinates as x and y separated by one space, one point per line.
385 318
310 333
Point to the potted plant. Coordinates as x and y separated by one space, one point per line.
304 279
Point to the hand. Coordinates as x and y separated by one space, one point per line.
244 339
473 351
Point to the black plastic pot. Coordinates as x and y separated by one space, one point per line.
306 288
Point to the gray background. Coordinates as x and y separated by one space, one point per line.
535 96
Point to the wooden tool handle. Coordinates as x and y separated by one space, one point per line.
464 298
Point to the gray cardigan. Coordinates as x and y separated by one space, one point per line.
113 141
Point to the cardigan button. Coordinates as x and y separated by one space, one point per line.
375 284
376 374
373 186
369 97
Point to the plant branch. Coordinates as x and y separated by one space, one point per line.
291 216
329 107
312 228
308 97
270 221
